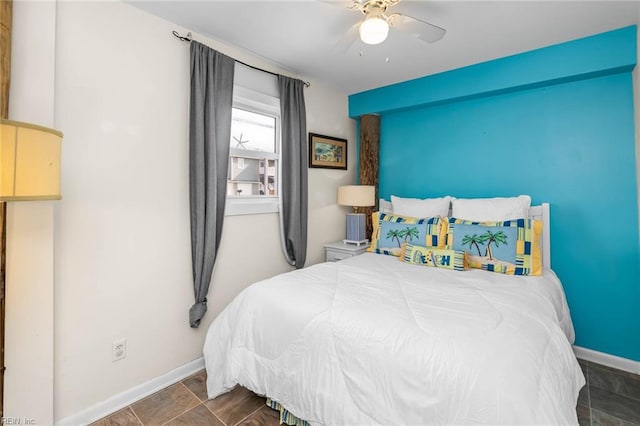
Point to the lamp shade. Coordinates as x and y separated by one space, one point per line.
357 195
29 162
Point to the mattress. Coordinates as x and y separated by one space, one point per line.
372 340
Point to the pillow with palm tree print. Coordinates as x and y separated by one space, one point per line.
510 247
391 231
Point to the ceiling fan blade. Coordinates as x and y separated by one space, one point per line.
349 38
420 29
345 4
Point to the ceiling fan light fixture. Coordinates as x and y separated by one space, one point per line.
374 30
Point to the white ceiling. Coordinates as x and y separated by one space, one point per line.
301 35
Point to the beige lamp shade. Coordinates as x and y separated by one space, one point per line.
29 162
357 195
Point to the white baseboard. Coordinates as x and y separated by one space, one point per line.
132 395
608 360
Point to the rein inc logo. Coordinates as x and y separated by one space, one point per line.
17 421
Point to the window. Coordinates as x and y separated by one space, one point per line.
253 169
254 154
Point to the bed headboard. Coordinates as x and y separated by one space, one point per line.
541 212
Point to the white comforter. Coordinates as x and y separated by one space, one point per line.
371 340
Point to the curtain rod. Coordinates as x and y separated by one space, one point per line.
189 38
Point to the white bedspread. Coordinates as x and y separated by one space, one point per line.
371 340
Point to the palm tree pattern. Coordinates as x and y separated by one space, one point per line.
394 234
496 239
474 240
407 234
488 238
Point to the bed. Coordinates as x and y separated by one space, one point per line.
372 340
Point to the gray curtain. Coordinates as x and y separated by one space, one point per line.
293 214
209 135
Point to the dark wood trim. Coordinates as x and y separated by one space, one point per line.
6 23
3 246
369 160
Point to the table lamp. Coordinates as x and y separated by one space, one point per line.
356 196
29 162
29 170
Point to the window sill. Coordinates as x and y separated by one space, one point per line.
251 205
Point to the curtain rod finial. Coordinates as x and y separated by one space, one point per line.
188 37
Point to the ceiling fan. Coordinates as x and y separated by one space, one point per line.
375 27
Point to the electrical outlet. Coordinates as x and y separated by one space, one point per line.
118 350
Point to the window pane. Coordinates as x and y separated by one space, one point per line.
269 176
252 131
249 177
243 169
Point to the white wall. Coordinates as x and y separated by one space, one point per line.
29 342
122 265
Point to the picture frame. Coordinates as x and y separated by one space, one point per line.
327 152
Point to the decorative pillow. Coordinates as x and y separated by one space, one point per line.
390 231
438 258
491 209
510 247
415 207
385 206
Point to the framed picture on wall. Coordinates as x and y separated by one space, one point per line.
327 152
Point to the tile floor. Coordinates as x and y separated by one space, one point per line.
611 398
185 403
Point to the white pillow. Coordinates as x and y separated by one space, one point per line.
491 209
415 207
385 206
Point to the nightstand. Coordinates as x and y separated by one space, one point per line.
339 250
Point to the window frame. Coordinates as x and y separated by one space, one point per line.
259 103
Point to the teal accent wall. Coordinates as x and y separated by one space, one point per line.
562 131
